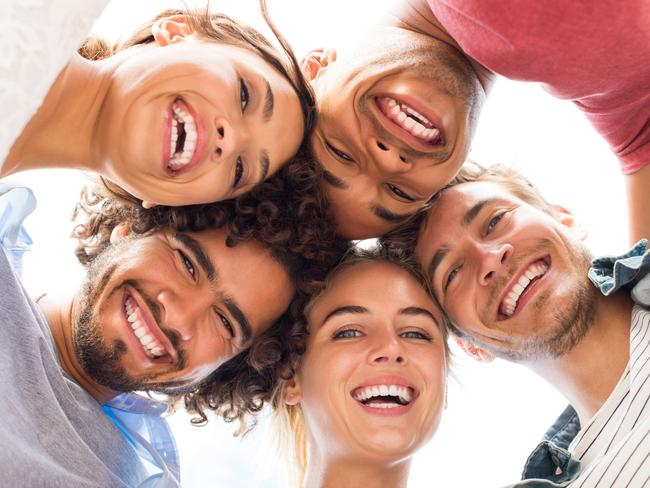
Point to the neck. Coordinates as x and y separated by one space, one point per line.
59 312
588 374
416 16
326 471
62 132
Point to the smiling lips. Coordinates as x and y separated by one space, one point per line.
410 120
384 396
150 345
183 137
532 273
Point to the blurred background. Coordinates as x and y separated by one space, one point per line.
496 412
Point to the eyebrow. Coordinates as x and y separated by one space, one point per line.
441 253
199 254
388 216
343 310
265 163
334 180
238 315
416 311
267 110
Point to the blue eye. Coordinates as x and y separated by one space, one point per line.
451 276
187 262
346 334
244 96
414 334
493 222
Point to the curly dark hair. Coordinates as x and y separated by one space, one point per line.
258 376
223 29
287 214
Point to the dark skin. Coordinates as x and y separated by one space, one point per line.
417 16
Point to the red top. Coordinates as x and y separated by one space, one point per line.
595 53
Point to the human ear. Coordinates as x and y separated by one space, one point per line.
119 232
480 355
566 218
170 30
292 393
147 205
316 62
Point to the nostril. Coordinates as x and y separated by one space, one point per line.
218 151
220 131
382 146
489 275
402 159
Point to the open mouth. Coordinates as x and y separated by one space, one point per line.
183 136
410 120
151 346
384 396
522 286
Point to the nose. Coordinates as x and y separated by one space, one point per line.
387 349
387 158
182 310
231 137
493 258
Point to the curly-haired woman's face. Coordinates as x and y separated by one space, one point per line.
196 121
164 310
372 382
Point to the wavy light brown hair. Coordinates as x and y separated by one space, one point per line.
287 214
217 27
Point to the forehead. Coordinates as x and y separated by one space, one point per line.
377 285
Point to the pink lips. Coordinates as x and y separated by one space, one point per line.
201 143
527 294
387 380
404 135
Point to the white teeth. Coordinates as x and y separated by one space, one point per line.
149 343
512 297
411 120
180 158
368 392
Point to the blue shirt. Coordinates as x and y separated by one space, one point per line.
138 418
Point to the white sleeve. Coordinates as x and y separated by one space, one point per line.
38 38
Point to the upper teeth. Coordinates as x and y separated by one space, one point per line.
512 298
411 120
367 392
179 116
151 346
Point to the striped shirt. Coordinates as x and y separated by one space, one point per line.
614 446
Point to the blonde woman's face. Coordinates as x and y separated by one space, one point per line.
372 382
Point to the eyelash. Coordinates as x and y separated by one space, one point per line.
400 193
226 323
339 153
239 172
187 262
345 334
244 95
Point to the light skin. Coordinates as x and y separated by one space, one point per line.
246 116
202 301
377 171
476 243
359 338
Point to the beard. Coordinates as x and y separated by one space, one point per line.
102 361
566 326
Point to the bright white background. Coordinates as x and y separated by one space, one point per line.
496 412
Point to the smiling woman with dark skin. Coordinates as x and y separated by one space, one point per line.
193 108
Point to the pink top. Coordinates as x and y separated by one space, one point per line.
595 53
